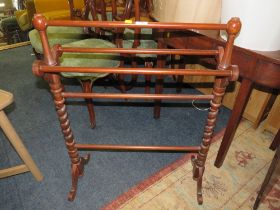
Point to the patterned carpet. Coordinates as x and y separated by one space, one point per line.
233 186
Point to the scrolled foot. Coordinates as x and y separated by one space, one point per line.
199 199
75 174
72 194
77 171
83 162
199 191
197 176
92 125
195 168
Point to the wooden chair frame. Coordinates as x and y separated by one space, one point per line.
50 70
129 6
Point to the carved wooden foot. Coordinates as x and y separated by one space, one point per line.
77 171
199 191
197 176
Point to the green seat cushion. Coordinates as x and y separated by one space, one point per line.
146 41
89 59
57 35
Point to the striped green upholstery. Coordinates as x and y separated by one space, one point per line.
146 41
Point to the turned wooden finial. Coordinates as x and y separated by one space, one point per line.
234 26
36 68
40 22
235 73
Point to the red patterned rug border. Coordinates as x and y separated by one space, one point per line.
120 200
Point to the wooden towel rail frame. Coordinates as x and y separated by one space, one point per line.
50 70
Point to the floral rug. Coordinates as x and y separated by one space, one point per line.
233 186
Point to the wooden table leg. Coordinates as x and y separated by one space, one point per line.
268 176
276 141
236 115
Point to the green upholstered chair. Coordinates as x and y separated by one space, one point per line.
89 60
24 17
56 35
145 41
127 39
76 37
59 9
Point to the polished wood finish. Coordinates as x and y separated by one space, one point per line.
269 174
122 24
140 51
272 123
138 148
77 162
137 96
49 69
256 68
257 108
155 71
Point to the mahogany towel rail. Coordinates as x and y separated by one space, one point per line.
50 70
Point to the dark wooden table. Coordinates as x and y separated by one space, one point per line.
262 68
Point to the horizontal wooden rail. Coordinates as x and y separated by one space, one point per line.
123 24
140 51
13 171
152 71
137 148
137 96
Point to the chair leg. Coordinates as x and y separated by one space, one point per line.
87 88
121 79
158 90
180 78
159 87
19 146
148 64
179 81
122 84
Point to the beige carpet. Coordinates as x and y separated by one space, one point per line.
233 186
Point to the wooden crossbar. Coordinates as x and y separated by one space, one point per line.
13 171
137 24
137 148
137 96
140 51
152 71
